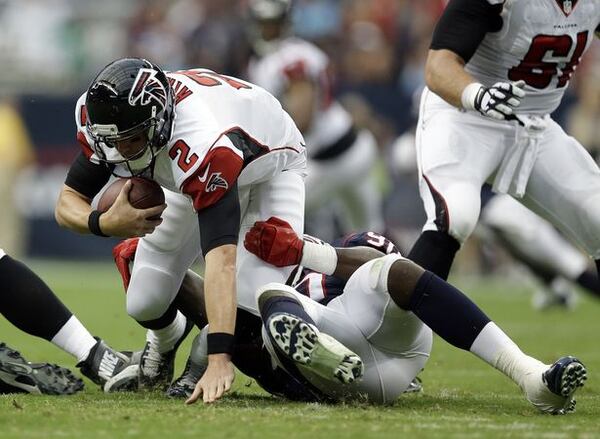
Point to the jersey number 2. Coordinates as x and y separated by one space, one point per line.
185 160
538 73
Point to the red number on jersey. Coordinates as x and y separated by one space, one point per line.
538 73
212 79
185 161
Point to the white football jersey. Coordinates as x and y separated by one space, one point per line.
226 130
541 42
298 59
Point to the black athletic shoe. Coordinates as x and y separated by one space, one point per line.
184 386
112 370
156 368
17 375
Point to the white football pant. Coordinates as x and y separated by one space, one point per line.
393 344
163 257
459 151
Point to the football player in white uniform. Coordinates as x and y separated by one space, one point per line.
227 154
384 315
495 72
341 157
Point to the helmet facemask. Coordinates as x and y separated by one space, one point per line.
150 99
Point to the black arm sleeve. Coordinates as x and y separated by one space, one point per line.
220 223
463 26
86 177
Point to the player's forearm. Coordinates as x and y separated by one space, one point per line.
339 262
445 75
73 210
220 289
350 259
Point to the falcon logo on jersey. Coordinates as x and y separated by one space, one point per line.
215 181
147 88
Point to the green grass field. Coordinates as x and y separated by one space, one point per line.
463 397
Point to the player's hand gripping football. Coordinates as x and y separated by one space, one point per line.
275 242
125 221
217 379
498 101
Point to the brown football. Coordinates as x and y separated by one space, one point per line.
143 195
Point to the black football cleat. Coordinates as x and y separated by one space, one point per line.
156 369
17 375
184 386
112 370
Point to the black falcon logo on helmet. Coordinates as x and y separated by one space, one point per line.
147 88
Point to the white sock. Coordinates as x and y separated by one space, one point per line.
74 339
164 339
496 348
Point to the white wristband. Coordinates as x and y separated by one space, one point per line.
319 257
469 95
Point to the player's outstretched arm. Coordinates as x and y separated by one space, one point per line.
276 242
220 300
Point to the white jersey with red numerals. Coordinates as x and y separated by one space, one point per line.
226 130
541 42
296 59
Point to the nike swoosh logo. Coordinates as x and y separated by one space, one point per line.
203 177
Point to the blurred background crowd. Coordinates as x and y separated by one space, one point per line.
51 49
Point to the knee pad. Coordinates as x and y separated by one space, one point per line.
380 269
150 293
463 212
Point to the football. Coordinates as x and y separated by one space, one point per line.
143 195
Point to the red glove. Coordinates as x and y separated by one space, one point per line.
275 242
124 253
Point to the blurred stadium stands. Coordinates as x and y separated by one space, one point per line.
51 49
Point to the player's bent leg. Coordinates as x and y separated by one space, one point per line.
550 388
452 212
293 332
29 304
17 375
281 196
161 261
400 341
532 239
564 188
